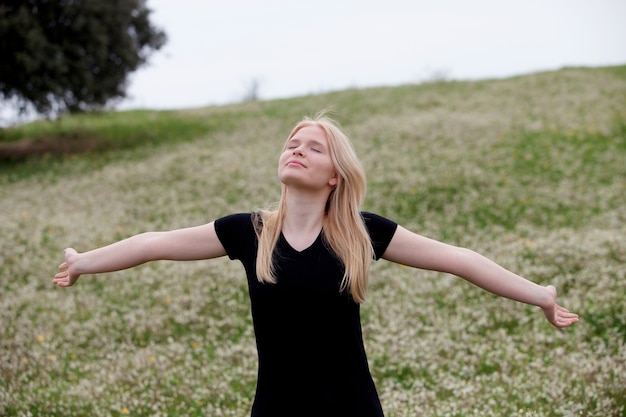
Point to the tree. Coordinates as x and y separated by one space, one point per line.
72 55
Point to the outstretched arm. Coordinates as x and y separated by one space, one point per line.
193 243
411 249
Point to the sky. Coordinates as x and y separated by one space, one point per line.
218 50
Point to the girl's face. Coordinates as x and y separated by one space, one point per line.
306 162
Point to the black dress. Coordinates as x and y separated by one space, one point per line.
312 360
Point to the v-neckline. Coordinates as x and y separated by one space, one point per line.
317 238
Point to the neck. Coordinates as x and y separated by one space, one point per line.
305 211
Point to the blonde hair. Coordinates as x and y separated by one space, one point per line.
343 228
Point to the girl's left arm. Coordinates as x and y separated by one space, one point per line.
417 251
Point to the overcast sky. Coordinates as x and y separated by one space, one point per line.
216 49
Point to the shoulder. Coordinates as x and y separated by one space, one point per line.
233 224
381 231
236 233
236 217
373 220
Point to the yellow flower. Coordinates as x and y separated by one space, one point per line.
125 410
41 338
195 345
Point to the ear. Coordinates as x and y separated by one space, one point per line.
333 180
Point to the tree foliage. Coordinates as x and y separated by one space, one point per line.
72 55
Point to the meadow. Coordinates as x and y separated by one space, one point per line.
529 171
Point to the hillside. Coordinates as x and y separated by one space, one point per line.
529 171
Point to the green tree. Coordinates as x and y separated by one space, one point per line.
63 56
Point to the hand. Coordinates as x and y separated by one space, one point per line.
67 277
558 316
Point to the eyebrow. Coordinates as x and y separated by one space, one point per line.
312 141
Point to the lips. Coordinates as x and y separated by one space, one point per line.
297 163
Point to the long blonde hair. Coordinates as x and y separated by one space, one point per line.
343 228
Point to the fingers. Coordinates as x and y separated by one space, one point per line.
62 279
59 282
563 312
564 318
62 274
67 252
569 316
561 323
560 316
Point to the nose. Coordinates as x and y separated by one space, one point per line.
297 151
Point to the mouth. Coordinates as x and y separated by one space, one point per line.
296 163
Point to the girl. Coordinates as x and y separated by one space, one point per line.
307 265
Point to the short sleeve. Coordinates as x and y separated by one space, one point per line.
235 233
381 231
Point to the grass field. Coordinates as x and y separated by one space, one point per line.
529 171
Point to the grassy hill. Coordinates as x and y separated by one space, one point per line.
530 171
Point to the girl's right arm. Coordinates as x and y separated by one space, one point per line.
193 243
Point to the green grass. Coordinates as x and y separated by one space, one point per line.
529 171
